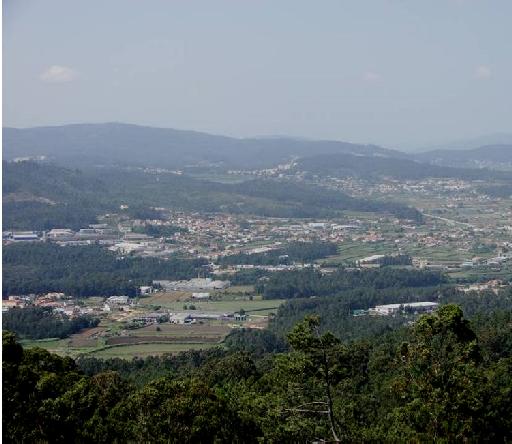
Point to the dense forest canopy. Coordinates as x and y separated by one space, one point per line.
83 271
444 378
49 196
42 322
302 252
310 282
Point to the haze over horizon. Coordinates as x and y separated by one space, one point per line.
396 74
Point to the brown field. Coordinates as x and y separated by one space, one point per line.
172 333
86 338
205 329
79 342
91 332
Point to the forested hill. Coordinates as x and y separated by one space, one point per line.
41 196
122 144
348 165
501 153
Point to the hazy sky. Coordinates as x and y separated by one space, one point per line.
384 71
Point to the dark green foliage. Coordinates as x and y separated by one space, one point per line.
256 342
442 379
441 390
244 277
49 400
301 252
30 380
336 311
41 197
141 371
82 413
179 411
493 330
230 369
85 270
41 216
305 283
38 201
302 200
474 303
343 165
159 230
42 322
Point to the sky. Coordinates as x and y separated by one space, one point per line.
399 73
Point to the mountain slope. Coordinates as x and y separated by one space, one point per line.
493 156
81 196
346 165
122 144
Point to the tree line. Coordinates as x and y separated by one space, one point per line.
442 379
84 271
43 322
310 282
302 252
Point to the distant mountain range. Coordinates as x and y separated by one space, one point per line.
127 145
484 156
117 144
343 165
471 143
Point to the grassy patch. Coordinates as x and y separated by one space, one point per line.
143 350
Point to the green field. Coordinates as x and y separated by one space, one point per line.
193 336
442 253
351 251
59 346
483 274
143 350
104 341
44 343
230 302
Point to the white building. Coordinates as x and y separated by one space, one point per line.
201 296
25 236
370 259
390 309
60 233
120 300
180 318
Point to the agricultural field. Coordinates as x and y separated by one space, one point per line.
471 275
226 301
144 350
150 340
114 338
351 251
